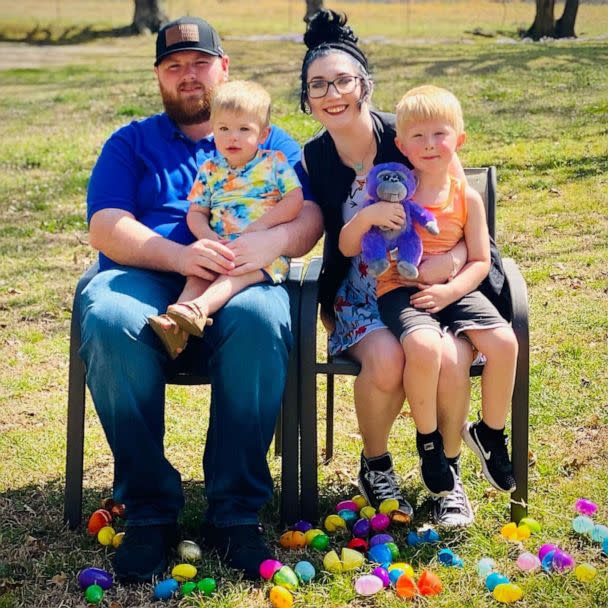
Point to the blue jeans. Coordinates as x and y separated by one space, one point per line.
245 355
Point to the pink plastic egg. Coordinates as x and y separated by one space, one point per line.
349 505
269 567
528 562
585 507
368 584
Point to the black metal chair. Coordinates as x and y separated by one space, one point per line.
286 433
484 181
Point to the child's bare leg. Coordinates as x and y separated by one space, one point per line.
194 287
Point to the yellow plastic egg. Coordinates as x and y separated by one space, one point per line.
334 523
360 501
507 593
351 559
368 512
585 573
407 569
332 563
523 532
183 572
117 540
388 506
105 535
281 597
310 534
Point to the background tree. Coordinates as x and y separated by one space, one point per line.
545 24
149 15
312 7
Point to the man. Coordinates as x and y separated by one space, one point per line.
136 211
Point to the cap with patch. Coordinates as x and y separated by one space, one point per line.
187 34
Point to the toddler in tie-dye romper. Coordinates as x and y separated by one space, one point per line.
241 189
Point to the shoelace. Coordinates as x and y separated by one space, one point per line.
454 502
384 485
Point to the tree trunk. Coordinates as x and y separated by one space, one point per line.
149 15
564 28
544 21
312 8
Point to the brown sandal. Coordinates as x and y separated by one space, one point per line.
189 317
173 341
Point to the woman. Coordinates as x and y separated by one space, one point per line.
336 88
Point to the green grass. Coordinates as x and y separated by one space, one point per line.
537 111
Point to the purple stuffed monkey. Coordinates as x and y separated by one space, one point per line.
395 183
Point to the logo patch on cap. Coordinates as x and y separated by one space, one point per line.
187 32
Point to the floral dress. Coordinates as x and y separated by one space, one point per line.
355 304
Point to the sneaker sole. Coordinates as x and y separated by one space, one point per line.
441 494
409 513
468 439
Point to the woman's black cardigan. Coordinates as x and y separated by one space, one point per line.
331 180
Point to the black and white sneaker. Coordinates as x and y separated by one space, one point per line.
490 446
454 509
438 477
377 481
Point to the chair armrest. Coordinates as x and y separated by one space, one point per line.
308 312
519 298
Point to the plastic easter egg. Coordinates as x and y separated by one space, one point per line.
400 517
599 533
446 557
188 588
430 536
585 507
523 532
333 523
380 522
406 587
546 563
495 578
605 546
268 568
207 586
320 542
189 551
368 584
457 562
302 526
98 520
117 540
388 506
94 576
351 559
562 561
349 505
382 574
106 535
350 517
360 501
358 544
544 549
292 539
394 575
164 590
183 572
332 563
585 573
286 577
362 527
509 531
394 549
484 566
413 539
118 510
93 594
534 526
528 562
280 597
507 593
305 571
380 539
310 534
429 583
403 566
582 524
368 512
380 554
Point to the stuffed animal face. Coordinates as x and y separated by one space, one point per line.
391 182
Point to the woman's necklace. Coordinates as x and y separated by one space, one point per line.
358 166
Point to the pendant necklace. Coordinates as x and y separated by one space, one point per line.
358 166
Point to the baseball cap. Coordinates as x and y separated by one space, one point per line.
187 34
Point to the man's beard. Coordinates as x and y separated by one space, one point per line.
192 111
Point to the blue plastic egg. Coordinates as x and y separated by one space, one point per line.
380 554
394 574
413 539
350 517
494 579
446 557
599 533
430 536
582 524
547 561
164 590
605 546
305 571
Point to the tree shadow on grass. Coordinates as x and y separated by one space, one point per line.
72 35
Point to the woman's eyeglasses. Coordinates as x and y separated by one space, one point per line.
343 84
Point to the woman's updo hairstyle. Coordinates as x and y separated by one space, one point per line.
326 33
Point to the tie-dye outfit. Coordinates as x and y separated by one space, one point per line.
239 196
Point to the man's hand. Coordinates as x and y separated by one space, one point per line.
432 298
253 251
206 258
388 216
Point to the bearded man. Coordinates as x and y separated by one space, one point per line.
136 207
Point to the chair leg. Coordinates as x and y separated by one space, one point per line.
329 423
278 433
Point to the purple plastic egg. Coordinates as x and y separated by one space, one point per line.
361 528
302 526
383 575
562 561
380 522
380 539
94 576
544 549
349 505
585 507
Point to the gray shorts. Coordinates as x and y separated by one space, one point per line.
473 311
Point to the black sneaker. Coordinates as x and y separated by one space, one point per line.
240 547
454 509
490 446
437 475
144 552
377 481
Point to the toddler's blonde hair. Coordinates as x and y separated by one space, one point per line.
242 97
429 102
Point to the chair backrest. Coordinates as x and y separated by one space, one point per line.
483 179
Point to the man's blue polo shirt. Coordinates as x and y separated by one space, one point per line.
148 167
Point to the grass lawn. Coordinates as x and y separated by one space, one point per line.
537 111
